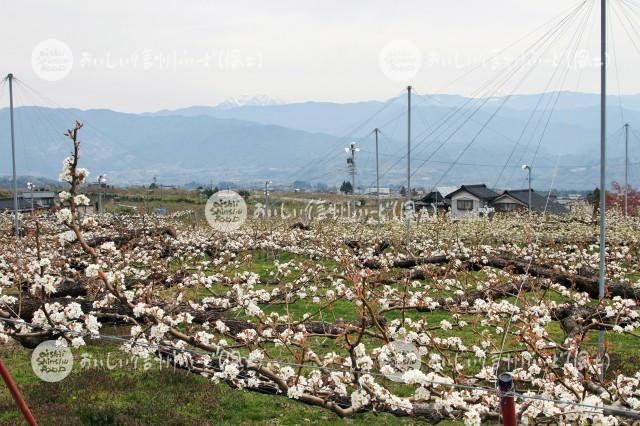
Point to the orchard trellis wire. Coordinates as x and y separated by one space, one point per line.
115 263
168 350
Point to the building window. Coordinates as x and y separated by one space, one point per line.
465 204
506 207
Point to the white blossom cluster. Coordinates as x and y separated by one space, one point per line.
315 317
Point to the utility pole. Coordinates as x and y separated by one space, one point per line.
352 165
603 157
626 167
266 197
376 131
16 223
408 205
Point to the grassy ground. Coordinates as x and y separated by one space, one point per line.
123 395
127 395
98 395
132 396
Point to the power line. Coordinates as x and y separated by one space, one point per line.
588 166
531 116
505 100
505 74
462 105
485 91
333 152
558 93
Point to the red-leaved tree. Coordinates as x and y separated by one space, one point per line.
615 198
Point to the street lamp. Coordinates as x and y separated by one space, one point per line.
528 169
266 197
31 187
102 179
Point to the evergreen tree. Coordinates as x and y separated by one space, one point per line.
346 187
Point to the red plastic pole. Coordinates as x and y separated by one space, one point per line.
507 402
17 396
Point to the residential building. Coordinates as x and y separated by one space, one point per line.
384 192
433 200
41 200
518 200
471 201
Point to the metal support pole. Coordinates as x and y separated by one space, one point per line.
507 402
266 197
528 169
408 157
376 130
99 195
31 187
16 222
529 190
353 176
603 157
626 168
17 396
146 196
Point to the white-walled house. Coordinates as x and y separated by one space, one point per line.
479 201
471 200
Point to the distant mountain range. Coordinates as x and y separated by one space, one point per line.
339 118
249 139
41 183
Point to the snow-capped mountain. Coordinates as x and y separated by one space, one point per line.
248 100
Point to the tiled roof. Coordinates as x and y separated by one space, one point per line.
481 191
431 198
538 201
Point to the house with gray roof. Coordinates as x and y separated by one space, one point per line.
518 200
471 201
27 200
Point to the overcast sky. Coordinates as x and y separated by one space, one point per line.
149 55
